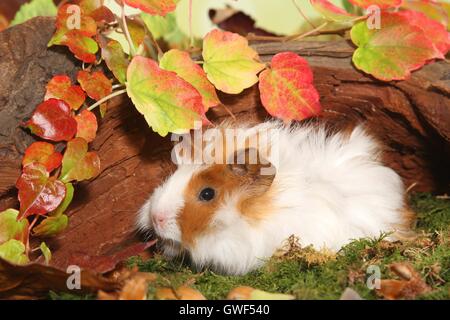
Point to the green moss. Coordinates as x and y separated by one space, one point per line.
430 255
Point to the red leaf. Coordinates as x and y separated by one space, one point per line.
96 84
43 153
382 4
286 88
435 31
154 7
87 125
60 87
330 11
38 194
52 120
97 11
84 48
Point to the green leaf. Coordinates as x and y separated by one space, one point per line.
168 103
231 65
46 252
66 202
51 226
159 26
14 252
33 9
78 164
394 50
11 228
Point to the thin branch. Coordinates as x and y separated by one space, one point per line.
312 32
101 101
296 37
127 32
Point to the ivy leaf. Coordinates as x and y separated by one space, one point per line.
51 226
115 59
97 11
382 4
181 63
14 252
160 26
434 30
86 125
154 7
96 84
433 10
84 48
46 252
52 120
168 103
229 62
38 193
43 153
35 8
65 23
60 87
330 12
137 32
287 91
78 164
11 228
392 52
65 203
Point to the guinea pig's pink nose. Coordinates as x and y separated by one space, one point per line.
159 219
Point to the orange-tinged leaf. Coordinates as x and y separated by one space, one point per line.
43 153
168 103
11 228
165 294
434 30
137 32
181 63
38 193
154 7
382 4
96 84
188 293
286 88
60 87
230 64
115 59
4 23
84 48
53 120
330 12
394 50
86 125
78 164
66 22
97 11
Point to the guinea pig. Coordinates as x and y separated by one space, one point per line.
231 214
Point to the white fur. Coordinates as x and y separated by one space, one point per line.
330 189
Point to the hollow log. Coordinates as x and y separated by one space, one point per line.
411 118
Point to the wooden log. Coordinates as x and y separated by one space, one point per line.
412 119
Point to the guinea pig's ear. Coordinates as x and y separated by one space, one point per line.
250 165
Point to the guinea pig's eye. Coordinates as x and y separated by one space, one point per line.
207 194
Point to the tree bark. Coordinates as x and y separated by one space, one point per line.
411 118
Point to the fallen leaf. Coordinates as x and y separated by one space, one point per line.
165 294
52 120
181 63
230 63
43 153
60 87
249 293
410 285
38 193
168 103
188 293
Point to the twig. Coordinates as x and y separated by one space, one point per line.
109 97
303 14
295 37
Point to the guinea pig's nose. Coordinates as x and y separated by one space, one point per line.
159 219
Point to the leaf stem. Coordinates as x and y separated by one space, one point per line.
126 31
109 97
299 9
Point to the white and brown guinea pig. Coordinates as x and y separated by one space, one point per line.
327 189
